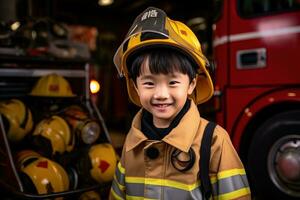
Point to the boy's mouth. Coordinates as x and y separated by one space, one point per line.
161 105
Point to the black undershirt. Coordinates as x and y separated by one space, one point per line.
154 133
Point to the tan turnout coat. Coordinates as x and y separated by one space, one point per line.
140 177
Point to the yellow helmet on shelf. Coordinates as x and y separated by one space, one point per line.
56 130
52 85
19 119
103 162
151 29
41 174
24 155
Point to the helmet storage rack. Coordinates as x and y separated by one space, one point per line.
18 74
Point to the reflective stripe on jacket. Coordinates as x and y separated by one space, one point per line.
139 176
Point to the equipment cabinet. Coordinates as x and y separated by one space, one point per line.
18 75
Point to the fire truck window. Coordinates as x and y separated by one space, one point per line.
250 8
249 59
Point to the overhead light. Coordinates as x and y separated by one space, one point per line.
15 25
105 2
94 86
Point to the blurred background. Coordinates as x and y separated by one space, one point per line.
253 49
103 27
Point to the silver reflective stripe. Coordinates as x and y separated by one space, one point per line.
135 189
116 189
152 192
120 177
118 184
230 184
172 193
161 192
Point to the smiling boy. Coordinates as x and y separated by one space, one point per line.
163 95
166 75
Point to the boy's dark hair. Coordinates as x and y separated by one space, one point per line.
161 61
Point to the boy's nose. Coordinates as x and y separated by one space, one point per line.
161 92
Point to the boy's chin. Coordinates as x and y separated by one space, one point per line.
163 121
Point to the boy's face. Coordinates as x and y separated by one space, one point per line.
163 95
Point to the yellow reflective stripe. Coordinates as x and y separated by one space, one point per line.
137 198
235 194
232 172
121 169
213 179
226 174
162 182
134 180
115 195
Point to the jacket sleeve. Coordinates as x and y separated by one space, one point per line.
228 177
117 190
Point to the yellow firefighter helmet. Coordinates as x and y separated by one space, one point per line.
56 131
24 155
52 85
19 119
151 29
103 162
40 174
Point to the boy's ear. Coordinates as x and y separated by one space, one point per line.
192 86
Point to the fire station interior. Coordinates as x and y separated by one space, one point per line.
73 42
102 28
69 135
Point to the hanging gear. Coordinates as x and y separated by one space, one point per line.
41 175
53 38
41 32
52 85
99 163
18 118
86 129
153 29
44 32
53 135
68 49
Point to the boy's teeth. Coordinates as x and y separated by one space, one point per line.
162 105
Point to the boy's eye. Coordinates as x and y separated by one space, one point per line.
173 82
148 83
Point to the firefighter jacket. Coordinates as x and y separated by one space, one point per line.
147 169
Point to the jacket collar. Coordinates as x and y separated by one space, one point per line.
181 137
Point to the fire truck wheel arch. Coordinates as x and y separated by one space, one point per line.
274 157
249 113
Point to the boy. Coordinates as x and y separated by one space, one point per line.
166 75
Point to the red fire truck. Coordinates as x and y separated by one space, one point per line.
256 47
